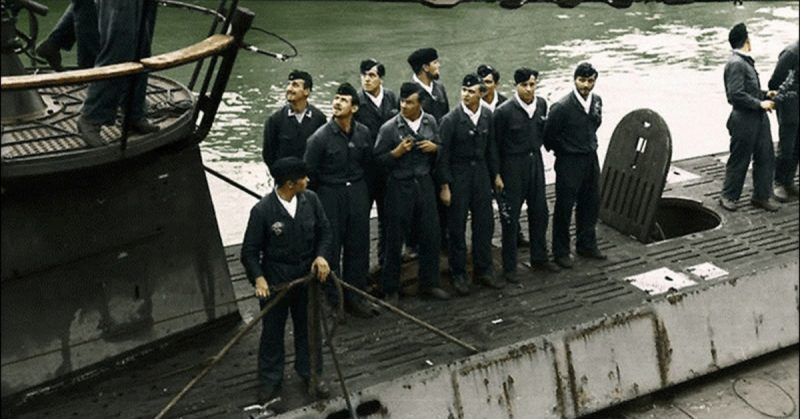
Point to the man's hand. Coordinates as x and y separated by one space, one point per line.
321 267
444 195
262 289
427 146
404 147
498 183
767 105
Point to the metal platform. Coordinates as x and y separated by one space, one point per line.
555 346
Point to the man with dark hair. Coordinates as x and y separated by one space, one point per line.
571 132
287 234
468 166
336 155
407 146
286 130
425 64
519 123
748 126
492 99
784 81
378 105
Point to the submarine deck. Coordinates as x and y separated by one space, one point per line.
385 349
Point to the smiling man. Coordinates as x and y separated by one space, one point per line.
336 155
286 130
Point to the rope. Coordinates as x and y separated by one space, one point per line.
281 292
232 182
329 341
794 405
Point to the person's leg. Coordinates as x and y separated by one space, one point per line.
426 216
514 180
356 237
270 349
457 223
741 150
587 206
763 162
567 186
538 214
398 223
482 222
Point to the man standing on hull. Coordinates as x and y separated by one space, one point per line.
336 155
748 126
784 80
519 124
286 130
287 234
571 132
468 166
377 105
407 145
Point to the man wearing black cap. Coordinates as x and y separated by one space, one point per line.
492 99
287 234
286 130
784 81
518 130
571 132
336 155
468 165
425 64
378 105
748 126
407 146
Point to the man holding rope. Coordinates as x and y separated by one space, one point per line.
287 234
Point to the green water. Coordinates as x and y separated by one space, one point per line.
667 58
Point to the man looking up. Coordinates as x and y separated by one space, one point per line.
286 130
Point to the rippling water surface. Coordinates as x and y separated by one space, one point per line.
667 58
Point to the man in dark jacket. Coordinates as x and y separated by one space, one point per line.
336 155
287 234
467 168
748 126
407 146
571 132
286 130
519 123
784 81
377 105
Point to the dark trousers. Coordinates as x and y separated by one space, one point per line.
411 202
126 31
523 177
577 185
271 356
347 209
751 139
376 183
79 22
471 192
787 158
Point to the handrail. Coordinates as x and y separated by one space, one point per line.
212 45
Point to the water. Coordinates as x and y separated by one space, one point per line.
667 58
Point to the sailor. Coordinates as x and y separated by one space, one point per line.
468 165
377 105
571 132
287 234
336 155
407 146
784 81
519 123
78 25
748 126
492 99
286 130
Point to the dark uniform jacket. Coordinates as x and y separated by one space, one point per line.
334 158
464 143
372 116
742 86
284 137
436 105
784 80
414 163
569 129
279 247
515 133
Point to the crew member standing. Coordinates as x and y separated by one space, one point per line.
377 105
336 155
748 126
467 167
407 146
286 130
519 124
571 132
287 234
784 81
